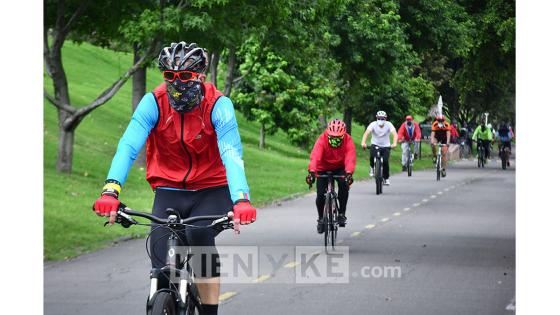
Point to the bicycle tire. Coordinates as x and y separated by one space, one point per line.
438 168
334 224
409 166
164 304
378 178
326 219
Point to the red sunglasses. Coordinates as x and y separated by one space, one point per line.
183 75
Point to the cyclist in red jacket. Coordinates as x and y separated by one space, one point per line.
333 151
408 131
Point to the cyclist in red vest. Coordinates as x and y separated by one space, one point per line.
333 151
193 158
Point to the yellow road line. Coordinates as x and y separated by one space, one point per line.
227 295
370 226
291 264
261 278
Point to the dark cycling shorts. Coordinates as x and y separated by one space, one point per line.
209 201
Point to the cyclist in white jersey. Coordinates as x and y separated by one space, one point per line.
380 131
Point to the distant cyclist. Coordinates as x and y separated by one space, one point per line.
333 151
193 160
441 133
380 131
409 131
483 134
505 135
454 132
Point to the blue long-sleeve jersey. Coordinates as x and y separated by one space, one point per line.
145 118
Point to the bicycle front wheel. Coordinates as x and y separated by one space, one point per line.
438 168
164 303
327 218
409 166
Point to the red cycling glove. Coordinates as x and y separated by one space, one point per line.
243 213
106 204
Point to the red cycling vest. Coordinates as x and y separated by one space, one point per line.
182 149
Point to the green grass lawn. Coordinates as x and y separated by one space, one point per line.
70 226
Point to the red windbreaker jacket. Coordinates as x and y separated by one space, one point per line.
403 133
326 158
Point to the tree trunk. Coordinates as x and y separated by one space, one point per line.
65 150
138 91
230 70
214 61
261 137
348 119
66 137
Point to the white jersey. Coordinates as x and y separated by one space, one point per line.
380 135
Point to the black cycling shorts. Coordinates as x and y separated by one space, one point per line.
209 201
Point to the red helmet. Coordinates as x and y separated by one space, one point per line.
409 118
336 128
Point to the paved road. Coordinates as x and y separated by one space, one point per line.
452 242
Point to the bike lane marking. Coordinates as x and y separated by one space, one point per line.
261 278
291 264
226 296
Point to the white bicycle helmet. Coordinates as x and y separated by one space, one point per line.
381 114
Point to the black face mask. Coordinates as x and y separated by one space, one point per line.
185 96
409 123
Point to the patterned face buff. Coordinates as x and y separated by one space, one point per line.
184 96
335 142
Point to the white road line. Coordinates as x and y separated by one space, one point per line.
416 204
384 219
439 192
370 226
433 196
396 214
446 189
406 209
424 200
354 234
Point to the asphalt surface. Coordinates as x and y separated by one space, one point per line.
422 247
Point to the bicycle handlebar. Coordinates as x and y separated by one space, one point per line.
124 217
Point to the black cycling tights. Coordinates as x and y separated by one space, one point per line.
385 154
322 183
210 201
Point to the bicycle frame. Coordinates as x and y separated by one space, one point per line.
186 291
330 212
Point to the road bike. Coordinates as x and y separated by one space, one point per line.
438 162
481 154
504 155
179 294
330 211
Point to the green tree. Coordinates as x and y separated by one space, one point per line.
79 20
